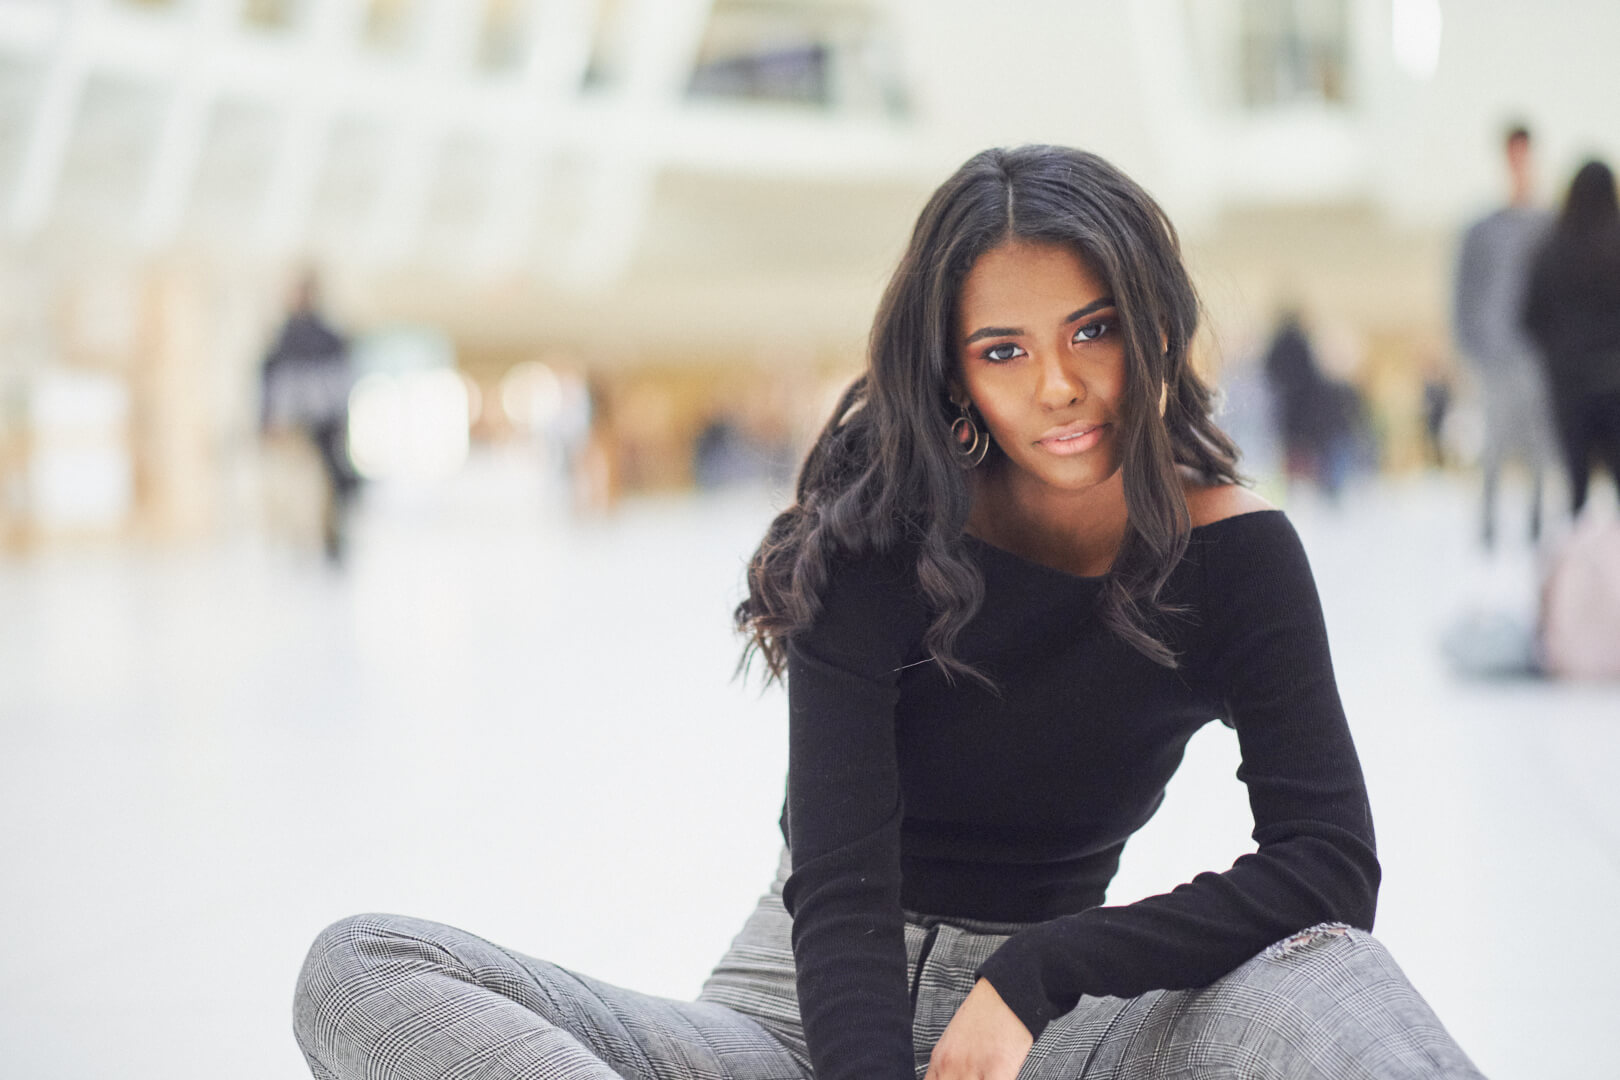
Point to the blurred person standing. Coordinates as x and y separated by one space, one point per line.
1492 268
1437 401
305 382
1317 417
1573 313
594 469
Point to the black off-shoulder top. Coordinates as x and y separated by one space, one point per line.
907 791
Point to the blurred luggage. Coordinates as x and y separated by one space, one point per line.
1491 643
1580 603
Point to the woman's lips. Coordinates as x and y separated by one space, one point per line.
1076 443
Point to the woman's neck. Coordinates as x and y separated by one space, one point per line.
1075 531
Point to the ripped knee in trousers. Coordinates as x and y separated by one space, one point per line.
1306 937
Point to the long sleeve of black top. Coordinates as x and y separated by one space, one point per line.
843 824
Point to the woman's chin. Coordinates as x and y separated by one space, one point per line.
1072 476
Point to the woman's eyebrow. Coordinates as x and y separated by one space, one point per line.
1096 305
1014 331
992 331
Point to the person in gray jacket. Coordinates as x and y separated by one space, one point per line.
1493 269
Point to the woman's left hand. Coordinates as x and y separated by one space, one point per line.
985 1040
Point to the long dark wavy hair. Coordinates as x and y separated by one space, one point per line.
1575 274
1585 243
1591 205
884 472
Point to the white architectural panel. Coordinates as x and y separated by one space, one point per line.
1156 85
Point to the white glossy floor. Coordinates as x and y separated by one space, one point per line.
529 729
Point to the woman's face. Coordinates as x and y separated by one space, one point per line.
1043 360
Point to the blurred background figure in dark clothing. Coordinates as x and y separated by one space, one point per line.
1573 312
305 382
1437 395
1318 418
1492 268
721 454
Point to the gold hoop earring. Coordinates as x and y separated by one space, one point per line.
971 443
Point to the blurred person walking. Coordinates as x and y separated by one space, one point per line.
1318 418
1492 268
305 382
1573 313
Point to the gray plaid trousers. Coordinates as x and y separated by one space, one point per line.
384 996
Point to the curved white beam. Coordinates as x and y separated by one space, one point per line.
659 45
185 125
53 118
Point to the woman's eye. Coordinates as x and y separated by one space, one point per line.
1093 330
1000 354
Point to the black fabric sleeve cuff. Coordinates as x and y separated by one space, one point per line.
1014 971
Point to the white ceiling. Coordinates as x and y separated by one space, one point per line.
131 131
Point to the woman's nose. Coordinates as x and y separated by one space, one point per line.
1059 386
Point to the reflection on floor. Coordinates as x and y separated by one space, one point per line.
529 729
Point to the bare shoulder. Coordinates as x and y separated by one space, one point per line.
1208 503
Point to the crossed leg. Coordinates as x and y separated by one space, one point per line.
391 996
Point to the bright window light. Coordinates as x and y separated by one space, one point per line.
1415 28
531 396
411 426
